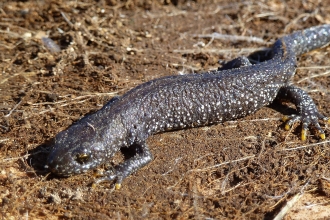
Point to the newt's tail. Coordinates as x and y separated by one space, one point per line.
309 39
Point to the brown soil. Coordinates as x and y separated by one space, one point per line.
249 168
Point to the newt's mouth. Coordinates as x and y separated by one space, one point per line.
56 171
65 170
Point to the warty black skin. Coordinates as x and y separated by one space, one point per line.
185 101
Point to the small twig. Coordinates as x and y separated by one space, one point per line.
224 163
234 187
3 140
314 76
66 19
11 111
77 98
15 158
294 21
90 125
11 34
209 43
229 37
305 146
254 120
312 67
220 51
288 206
4 128
24 74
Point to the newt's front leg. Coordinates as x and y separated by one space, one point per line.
143 157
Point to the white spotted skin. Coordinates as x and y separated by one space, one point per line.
184 101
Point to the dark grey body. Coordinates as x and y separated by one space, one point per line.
178 102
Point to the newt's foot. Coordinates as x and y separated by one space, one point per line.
306 108
306 122
109 176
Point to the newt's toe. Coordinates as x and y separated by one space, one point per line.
303 134
322 136
287 127
290 120
285 118
319 130
117 186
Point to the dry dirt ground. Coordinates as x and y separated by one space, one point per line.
246 169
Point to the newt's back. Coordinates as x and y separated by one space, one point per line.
191 100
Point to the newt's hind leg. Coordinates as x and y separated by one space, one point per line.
307 110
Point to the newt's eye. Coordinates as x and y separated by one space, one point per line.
82 158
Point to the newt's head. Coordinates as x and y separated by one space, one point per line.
77 149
